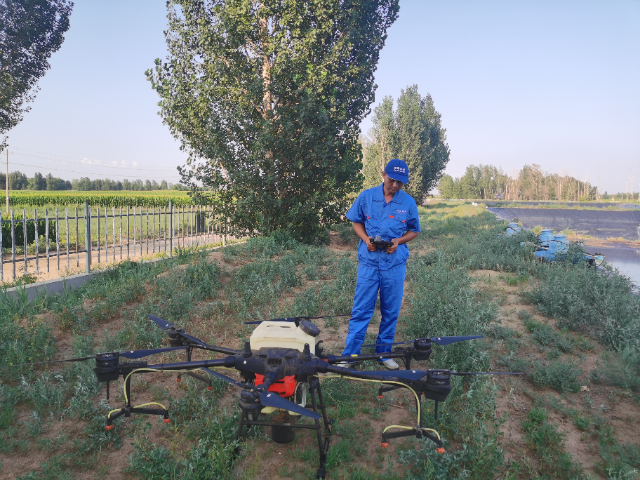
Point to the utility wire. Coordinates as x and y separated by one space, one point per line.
85 173
92 164
55 155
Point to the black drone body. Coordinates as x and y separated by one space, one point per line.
284 379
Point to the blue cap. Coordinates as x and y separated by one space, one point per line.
397 170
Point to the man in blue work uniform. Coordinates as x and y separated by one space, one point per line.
391 213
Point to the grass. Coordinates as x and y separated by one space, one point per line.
276 276
548 443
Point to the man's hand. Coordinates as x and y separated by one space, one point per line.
395 246
370 246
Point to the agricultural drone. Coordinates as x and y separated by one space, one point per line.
281 366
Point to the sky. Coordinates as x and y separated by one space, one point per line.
555 83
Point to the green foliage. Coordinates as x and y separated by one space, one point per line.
412 133
32 31
591 301
202 278
548 443
443 302
486 181
469 419
621 369
267 98
18 230
562 375
99 199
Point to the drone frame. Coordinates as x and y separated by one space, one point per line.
276 363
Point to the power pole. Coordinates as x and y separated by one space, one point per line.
6 181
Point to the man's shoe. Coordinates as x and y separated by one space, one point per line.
390 364
346 364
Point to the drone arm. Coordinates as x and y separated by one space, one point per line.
215 348
373 375
370 356
228 362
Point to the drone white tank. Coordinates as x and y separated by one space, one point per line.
281 335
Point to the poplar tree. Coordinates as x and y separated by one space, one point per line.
413 133
30 32
266 97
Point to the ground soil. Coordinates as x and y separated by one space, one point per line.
518 393
267 460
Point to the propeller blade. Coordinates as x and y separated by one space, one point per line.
230 380
486 373
194 339
450 340
437 340
268 399
293 319
272 399
80 359
133 354
163 324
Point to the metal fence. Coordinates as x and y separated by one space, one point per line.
35 243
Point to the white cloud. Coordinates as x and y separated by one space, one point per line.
88 161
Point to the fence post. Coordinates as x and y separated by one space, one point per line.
1 256
87 235
24 232
170 228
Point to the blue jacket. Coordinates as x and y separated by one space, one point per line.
389 220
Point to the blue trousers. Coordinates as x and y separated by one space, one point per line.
390 284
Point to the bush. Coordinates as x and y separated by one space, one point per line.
590 301
621 369
561 375
548 442
443 302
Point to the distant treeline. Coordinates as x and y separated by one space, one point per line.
19 181
531 183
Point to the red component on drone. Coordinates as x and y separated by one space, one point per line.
284 387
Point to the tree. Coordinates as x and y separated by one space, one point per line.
412 133
267 97
18 181
447 187
380 147
38 182
30 31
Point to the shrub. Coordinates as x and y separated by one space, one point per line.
548 442
561 375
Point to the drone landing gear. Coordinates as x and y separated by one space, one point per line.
203 378
418 431
250 417
128 409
